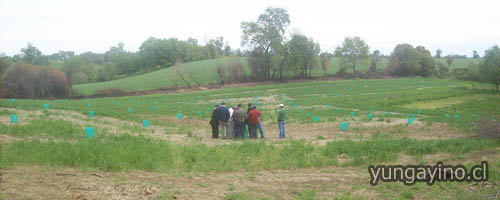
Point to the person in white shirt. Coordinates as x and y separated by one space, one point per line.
231 122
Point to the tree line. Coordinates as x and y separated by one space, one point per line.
271 55
275 57
116 63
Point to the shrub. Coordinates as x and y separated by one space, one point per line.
237 73
29 81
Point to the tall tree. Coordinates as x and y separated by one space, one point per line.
303 55
352 51
408 61
266 32
374 61
92 58
219 45
62 55
475 54
449 59
426 65
325 62
32 55
490 66
5 63
71 67
438 53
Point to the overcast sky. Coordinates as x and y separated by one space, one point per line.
455 26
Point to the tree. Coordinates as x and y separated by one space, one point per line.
154 52
426 65
228 51
266 33
325 62
352 51
219 45
438 53
374 61
5 63
256 60
303 55
71 67
32 55
92 58
475 54
279 59
449 60
62 55
408 61
490 66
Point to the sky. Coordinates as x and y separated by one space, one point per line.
456 26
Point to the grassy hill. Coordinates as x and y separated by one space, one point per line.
205 72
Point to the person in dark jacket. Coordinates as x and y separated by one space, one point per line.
249 108
214 122
253 121
223 116
239 118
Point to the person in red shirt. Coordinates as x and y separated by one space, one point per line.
253 121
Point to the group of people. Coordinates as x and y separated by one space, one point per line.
234 122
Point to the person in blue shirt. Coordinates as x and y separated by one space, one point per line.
223 115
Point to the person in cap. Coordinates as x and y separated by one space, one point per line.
214 122
249 107
239 118
281 120
223 116
259 125
253 121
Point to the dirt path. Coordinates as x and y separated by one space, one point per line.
37 182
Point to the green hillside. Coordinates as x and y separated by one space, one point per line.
205 72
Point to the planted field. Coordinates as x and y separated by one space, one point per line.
174 156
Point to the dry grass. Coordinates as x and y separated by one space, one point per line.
36 182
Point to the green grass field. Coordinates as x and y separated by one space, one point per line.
176 157
205 72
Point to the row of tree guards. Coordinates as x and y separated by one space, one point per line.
90 131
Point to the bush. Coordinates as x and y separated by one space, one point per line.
29 81
110 92
237 72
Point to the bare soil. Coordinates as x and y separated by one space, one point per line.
40 182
